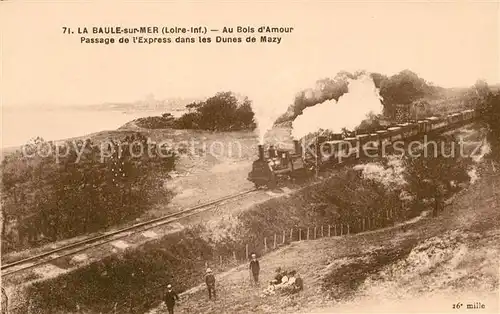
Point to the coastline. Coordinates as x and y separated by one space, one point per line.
4 151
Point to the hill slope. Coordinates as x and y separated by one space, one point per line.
427 266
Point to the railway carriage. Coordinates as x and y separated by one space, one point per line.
332 149
383 138
454 118
395 133
437 123
374 141
409 129
365 143
424 126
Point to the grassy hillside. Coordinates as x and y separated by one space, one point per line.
448 259
180 258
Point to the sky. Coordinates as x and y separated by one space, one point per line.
450 44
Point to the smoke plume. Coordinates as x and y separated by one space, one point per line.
272 96
267 109
361 100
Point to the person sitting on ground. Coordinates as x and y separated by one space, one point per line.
279 275
284 279
299 283
283 282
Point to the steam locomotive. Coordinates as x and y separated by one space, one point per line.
334 149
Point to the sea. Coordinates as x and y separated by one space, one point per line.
20 125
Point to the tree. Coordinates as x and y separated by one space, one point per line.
222 112
218 112
245 115
190 120
378 79
402 89
194 106
478 96
436 171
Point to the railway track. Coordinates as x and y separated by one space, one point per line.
77 247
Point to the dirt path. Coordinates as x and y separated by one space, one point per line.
430 266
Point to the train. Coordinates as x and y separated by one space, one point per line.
328 150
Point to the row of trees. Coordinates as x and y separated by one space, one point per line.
402 88
48 198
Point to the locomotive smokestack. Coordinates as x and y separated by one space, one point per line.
298 148
261 152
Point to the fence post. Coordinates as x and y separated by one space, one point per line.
246 251
307 233
300 234
234 256
335 229
314 233
341 229
322 234
5 305
291 235
283 236
348 229
220 260
363 224
329 230
265 243
274 240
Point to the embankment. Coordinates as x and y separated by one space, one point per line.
131 280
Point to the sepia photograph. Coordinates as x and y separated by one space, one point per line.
249 157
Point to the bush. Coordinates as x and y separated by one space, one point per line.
222 112
135 280
189 120
45 199
164 122
430 175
